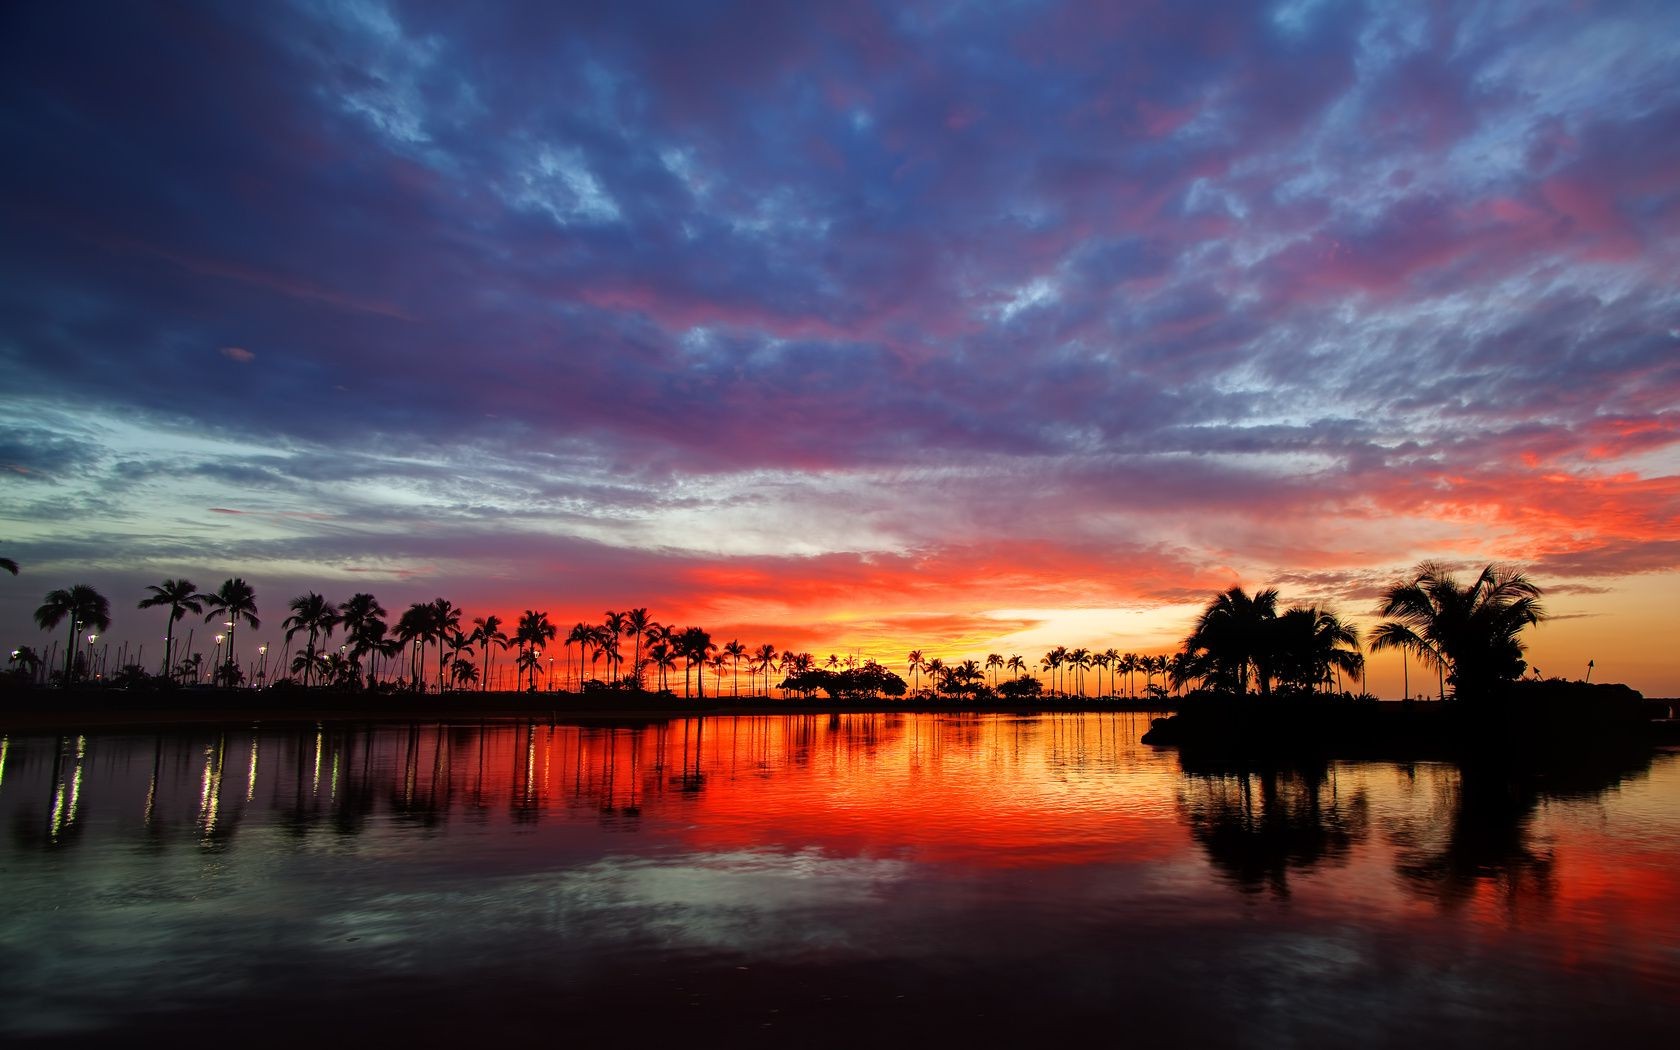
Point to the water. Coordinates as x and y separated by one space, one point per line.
987 879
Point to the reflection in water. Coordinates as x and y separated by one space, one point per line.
1259 824
992 874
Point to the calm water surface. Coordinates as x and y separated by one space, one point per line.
819 879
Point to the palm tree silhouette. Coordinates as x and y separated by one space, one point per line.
1016 666
315 615
637 622
9 565
1234 631
412 628
464 673
696 645
664 658
615 623
1312 645
1471 635
1080 660
83 607
459 643
445 620
235 600
487 630
182 597
1051 661
936 673
363 619
533 631
734 651
916 665
765 660
994 661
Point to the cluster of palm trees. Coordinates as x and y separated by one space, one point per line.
1469 634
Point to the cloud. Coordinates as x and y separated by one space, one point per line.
237 353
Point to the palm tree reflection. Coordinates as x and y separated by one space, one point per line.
1260 823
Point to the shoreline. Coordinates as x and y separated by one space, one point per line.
46 712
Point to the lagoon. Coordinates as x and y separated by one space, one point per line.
820 879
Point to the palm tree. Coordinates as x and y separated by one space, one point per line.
1471 635
664 658
309 663
1127 665
1051 661
316 615
1234 632
1180 671
533 632
735 650
994 661
27 660
413 627
1157 665
444 621
363 620
696 645
579 635
936 672
1080 660
637 622
764 660
83 607
614 622
1313 646
464 672
916 666
1016 666
9 565
182 597
527 664
487 631
459 643
719 663
235 600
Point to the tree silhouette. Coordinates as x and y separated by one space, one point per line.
916 664
413 627
487 631
695 644
638 623
182 597
614 622
1235 633
764 661
664 657
363 619
315 615
444 621
734 651
1470 634
236 601
532 633
83 607
1311 645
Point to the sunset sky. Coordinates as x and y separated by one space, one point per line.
850 328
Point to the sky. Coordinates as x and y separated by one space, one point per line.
847 327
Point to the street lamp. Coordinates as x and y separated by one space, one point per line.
262 668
